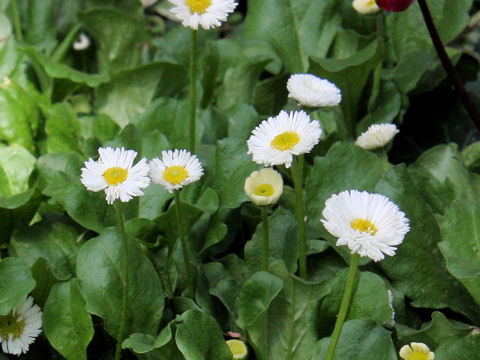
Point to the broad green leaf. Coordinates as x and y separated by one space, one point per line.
461 349
16 282
16 165
199 337
5 29
100 269
44 278
62 128
66 322
100 126
143 343
242 119
56 243
40 26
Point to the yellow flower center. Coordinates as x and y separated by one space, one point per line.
285 141
198 6
11 324
264 190
364 226
115 175
370 3
175 174
418 356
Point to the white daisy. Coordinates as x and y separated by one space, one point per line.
206 13
82 42
176 169
277 139
370 224
20 327
416 351
114 173
264 187
365 7
376 136
310 90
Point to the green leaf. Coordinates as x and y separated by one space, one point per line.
16 282
461 349
16 165
66 322
100 269
44 278
40 26
199 337
62 128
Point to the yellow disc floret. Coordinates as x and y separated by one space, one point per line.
364 226
10 324
285 141
198 6
175 174
115 175
238 348
264 190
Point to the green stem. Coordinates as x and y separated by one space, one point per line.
266 241
377 74
342 313
297 174
16 19
67 42
123 315
181 235
193 96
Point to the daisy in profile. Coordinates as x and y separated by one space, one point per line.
20 327
277 139
176 169
365 7
310 90
376 136
114 172
369 224
264 187
206 13
416 351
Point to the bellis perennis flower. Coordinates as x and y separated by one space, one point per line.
312 91
376 136
114 172
20 327
176 169
416 351
365 7
206 13
394 5
369 224
277 139
264 187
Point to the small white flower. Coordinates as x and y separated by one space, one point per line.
277 139
377 135
82 42
264 187
370 224
365 7
20 327
176 169
114 173
310 90
206 13
416 351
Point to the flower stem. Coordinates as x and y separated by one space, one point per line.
266 241
123 315
447 64
297 174
193 96
60 51
181 235
16 19
342 313
377 74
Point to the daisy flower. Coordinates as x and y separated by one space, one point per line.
365 7
20 327
176 169
376 136
264 187
114 173
370 224
310 90
206 13
416 351
277 139
82 42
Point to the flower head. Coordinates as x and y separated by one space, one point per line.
20 327
82 42
114 173
365 7
416 351
370 224
394 5
238 349
206 13
264 187
176 169
310 90
277 139
376 136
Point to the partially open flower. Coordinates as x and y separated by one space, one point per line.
394 5
206 13
365 7
376 136
416 351
82 42
238 348
264 187
310 90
